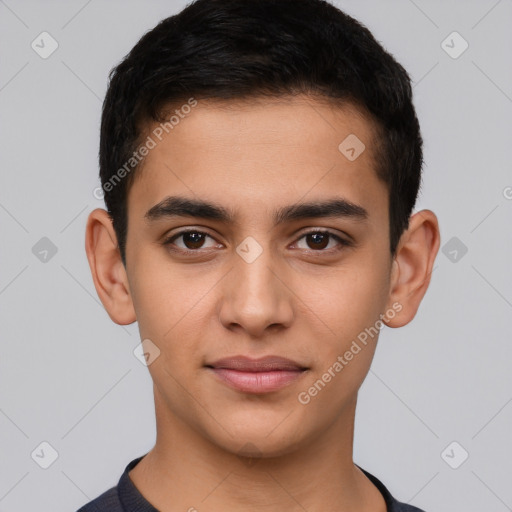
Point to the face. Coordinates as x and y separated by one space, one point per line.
252 235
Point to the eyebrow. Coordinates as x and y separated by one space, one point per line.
175 206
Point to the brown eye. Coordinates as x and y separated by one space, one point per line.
322 241
190 241
317 240
193 240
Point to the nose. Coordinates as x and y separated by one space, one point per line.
255 297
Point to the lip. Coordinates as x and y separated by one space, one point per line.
262 375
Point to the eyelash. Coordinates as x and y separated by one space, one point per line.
342 242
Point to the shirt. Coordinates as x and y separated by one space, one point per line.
125 497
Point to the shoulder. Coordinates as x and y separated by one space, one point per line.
391 503
124 496
106 502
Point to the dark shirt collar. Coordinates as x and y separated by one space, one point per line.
133 501
129 496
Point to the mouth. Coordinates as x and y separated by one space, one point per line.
263 375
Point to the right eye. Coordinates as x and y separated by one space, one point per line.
189 240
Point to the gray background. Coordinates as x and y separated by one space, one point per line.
68 375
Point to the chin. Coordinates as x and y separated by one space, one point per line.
260 438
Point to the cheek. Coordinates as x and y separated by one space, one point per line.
175 310
169 313
343 302
340 319
166 295
340 313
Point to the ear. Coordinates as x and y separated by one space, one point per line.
107 269
412 267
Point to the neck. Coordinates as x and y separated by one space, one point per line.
186 471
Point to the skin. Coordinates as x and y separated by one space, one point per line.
294 300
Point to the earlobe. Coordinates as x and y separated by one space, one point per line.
107 269
412 267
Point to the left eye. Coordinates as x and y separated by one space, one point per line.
191 240
319 240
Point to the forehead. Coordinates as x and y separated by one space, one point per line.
261 152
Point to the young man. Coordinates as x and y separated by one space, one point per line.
260 161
